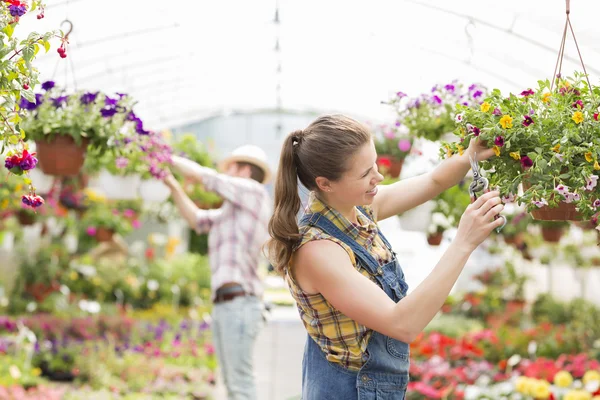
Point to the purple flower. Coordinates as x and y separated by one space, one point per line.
121 162
399 94
110 102
559 156
527 120
91 230
596 203
48 85
562 190
17 11
437 99
398 123
499 141
477 94
28 162
108 112
540 203
497 111
88 98
527 93
531 112
28 105
526 162
450 88
58 101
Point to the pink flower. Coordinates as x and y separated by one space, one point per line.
526 162
136 224
559 156
389 135
404 145
540 203
527 92
91 230
128 213
497 111
591 182
509 198
121 162
499 141
209 349
596 203
562 189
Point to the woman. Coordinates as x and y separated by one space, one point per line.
342 272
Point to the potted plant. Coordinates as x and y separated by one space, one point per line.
516 226
546 138
392 148
431 115
552 231
438 225
102 221
66 126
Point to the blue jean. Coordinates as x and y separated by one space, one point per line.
236 324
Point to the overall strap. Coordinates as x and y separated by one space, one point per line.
321 222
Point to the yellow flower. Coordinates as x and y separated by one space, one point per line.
556 148
596 165
485 106
540 390
448 152
36 372
4 204
461 149
578 117
515 155
18 188
563 379
589 156
522 384
591 376
578 395
73 275
506 121
172 246
496 150
546 97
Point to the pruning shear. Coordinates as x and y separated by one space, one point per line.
480 184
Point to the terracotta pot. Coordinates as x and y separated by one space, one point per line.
495 320
40 291
564 211
514 306
207 206
61 156
25 218
104 235
435 239
394 169
552 235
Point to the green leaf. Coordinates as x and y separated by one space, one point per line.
28 53
8 29
46 45
15 119
36 49
13 139
565 176
22 134
539 150
28 94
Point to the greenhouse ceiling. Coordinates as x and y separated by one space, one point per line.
189 59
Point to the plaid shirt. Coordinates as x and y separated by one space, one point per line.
343 340
237 230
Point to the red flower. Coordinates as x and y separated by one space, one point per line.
527 92
596 116
384 162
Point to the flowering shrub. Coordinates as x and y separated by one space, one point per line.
548 139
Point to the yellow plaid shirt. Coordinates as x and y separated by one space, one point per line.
342 339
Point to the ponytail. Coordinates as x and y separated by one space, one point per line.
283 226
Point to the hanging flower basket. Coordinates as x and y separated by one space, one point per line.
552 234
25 217
61 156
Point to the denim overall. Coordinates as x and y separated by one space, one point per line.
384 376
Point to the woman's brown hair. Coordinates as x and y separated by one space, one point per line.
322 149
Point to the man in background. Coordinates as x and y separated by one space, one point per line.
237 232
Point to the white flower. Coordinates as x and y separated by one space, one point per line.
540 203
591 182
152 285
562 189
459 117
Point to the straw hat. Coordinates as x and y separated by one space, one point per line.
250 154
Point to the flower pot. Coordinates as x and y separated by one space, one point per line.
514 306
117 187
154 191
418 218
435 239
103 235
61 156
564 211
207 206
552 235
395 167
40 290
25 218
